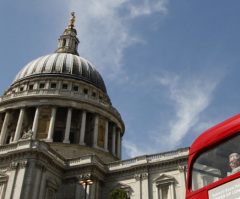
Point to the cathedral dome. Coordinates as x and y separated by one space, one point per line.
63 65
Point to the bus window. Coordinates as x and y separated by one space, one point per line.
216 163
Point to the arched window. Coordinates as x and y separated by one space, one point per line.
64 42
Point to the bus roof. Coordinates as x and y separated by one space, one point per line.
216 133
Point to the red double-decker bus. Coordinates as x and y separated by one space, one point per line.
214 163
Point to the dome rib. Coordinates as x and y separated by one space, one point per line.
62 64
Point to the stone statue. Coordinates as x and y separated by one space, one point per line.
28 134
72 20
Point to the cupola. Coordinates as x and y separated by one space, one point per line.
68 41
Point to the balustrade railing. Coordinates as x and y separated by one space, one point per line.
63 93
148 158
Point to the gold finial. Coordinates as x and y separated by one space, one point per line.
72 19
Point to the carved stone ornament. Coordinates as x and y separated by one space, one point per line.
145 176
181 168
137 176
23 164
85 176
13 166
27 135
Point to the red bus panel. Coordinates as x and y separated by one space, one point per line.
214 163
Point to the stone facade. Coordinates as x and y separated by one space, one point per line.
58 127
33 169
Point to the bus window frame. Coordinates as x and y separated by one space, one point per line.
230 132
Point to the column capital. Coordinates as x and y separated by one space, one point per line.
137 177
13 166
23 164
181 168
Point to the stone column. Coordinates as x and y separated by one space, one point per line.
121 148
38 174
182 170
114 141
138 188
92 190
4 128
19 125
17 189
29 179
145 189
83 128
51 126
119 144
172 190
106 136
68 126
43 186
78 191
11 180
95 132
35 123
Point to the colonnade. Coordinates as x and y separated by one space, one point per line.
111 135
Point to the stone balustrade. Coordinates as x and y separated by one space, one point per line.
60 93
148 159
27 144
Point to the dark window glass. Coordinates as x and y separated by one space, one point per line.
42 85
64 42
53 85
64 86
85 91
216 163
31 87
57 136
75 88
71 137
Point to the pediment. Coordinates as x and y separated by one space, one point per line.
163 179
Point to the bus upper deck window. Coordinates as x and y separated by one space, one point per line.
216 163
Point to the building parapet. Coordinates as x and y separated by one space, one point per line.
26 144
148 159
91 159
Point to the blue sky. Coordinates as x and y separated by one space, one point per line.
171 67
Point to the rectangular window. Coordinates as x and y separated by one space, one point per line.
94 94
53 85
85 91
75 88
21 89
31 87
42 85
64 86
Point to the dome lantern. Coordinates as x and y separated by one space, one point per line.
68 41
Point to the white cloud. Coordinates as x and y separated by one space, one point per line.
190 98
148 7
105 32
